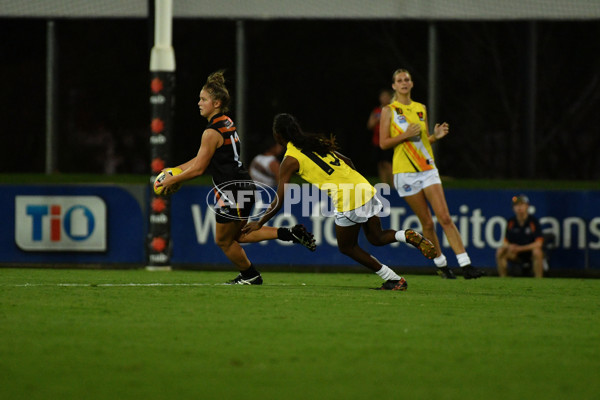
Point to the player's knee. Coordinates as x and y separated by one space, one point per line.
223 244
427 225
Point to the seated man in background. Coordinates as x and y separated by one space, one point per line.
522 242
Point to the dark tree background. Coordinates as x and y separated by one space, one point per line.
326 72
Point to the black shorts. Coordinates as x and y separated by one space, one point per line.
234 201
522 266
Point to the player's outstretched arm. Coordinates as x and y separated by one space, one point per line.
289 166
211 140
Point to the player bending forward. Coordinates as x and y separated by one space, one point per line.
315 159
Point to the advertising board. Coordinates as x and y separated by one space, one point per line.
69 224
66 224
480 215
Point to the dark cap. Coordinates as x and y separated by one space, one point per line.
521 198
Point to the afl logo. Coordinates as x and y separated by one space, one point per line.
240 200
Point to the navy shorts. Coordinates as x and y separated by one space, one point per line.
234 201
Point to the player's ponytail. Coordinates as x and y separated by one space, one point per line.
215 86
288 127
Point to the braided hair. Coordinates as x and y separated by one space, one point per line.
288 128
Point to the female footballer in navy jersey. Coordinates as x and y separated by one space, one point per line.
219 154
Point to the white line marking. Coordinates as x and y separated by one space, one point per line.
130 284
107 284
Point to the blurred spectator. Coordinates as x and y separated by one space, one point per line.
522 250
383 158
264 168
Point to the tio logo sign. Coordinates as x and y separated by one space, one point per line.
60 223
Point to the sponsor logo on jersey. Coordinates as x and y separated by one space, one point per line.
400 119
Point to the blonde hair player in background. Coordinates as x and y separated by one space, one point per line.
403 127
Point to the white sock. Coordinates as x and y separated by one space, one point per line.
463 259
387 274
441 261
400 236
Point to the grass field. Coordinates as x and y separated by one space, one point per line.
133 334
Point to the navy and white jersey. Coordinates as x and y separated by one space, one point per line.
234 190
226 164
524 234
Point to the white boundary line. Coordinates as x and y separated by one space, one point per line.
132 284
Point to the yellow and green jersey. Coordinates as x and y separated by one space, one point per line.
414 154
347 188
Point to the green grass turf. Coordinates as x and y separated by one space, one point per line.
299 336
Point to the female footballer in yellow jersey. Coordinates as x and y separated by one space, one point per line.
403 127
315 159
